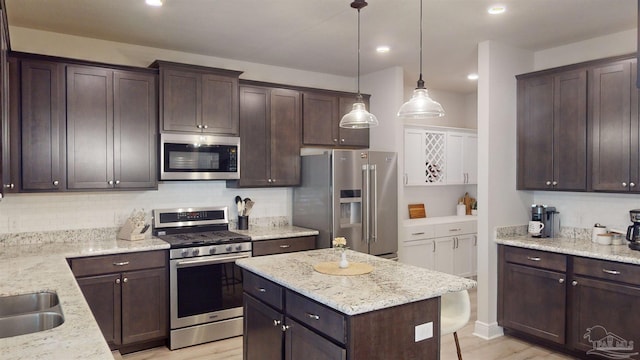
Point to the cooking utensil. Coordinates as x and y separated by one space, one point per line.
239 204
248 206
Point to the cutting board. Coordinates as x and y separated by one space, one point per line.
416 211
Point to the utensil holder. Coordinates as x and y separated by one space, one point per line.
243 222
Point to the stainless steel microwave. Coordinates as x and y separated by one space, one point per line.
199 157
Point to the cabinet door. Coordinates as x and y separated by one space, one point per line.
181 103
89 128
285 138
43 126
135 123
535 133
414 157
610 125
534 301
5 160
352 137
444 255
601 311
255 131
470 158
220 104
419 253
463 255
302 343
455 158
263 336
144 305
570 131
103 296
319 114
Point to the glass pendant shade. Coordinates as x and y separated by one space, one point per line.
358 117
420 106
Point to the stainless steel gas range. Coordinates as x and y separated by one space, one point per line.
205 285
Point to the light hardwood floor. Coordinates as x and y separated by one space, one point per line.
473 348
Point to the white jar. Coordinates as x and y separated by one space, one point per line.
597 230
461 210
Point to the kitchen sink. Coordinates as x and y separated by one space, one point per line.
29 313
26 303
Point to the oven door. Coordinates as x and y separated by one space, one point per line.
205 289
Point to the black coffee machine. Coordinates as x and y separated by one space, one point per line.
633 231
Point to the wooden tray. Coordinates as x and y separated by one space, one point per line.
416 211
332 268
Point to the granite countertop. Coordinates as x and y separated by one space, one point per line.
276 232
30 266
390 283
574 246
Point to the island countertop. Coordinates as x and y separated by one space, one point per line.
389 284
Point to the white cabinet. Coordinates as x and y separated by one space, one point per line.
443 244
440 157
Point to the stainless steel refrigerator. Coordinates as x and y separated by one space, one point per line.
350 193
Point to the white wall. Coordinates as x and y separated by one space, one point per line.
497 64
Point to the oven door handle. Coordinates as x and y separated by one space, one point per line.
209 261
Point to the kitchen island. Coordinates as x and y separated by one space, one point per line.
392 312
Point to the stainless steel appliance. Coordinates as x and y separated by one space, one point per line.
549 216
633 231
205 285
350 193
199 157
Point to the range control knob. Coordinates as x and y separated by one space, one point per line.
195 252
238 247
212 250
229 248
184 253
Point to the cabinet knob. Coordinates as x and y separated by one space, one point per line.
561 281
55 182
118 281
632 184
624 184
117 182
269 180
285 327
205 126
341 140
199 126
125 280
335 140
9 186
276 322
548 183
554 183
574 283
110 182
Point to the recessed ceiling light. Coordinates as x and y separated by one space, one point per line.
154 2
472 76
496 9
383 49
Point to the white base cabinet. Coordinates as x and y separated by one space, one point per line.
446 244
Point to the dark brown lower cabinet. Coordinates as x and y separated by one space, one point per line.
263 338
302 343
285 245
130 306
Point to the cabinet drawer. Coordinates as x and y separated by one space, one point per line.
286 245
421 232
609 270
536 258
457 228
105 264
316 316
263 289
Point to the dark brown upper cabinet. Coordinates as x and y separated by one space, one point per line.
111 129
270 132
552 131
6 183
322 111
198 99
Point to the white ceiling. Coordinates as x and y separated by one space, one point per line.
321 35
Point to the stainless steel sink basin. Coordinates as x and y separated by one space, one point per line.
29 323
29 313
26 303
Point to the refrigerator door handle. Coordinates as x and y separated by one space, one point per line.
365 197
374 195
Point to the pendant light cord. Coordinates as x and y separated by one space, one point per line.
420 81
359 53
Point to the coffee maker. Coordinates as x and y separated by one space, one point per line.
633 231
550 217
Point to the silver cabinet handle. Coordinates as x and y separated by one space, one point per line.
434 246
612 272
548 183
205 126
276 322
118 281
285 246
55 182
285 327
313 316
122 263
574 283
262 290
554 183
418 233
632 184
125 280
199 126
335 140
458 229
341 140
117 182
533 258
624 184
110 182
8 186
561 281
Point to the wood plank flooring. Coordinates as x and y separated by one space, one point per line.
473 348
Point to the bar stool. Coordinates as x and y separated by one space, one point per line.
455 311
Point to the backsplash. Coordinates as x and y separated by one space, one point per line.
34 213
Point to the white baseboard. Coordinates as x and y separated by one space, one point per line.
487 331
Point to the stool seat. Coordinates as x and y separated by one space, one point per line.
455 312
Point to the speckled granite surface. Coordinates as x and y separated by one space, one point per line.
271 232
390 284
576 242
39 264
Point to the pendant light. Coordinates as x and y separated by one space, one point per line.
420 106
358 117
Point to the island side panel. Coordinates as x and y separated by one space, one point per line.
390 333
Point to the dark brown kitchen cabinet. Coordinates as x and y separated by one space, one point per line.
300 342
42 126
533 293
127 294
6 183
270 133
614 133
198 99
552 131
264 337
284 245
322 111
111 129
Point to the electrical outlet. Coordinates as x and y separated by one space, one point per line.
424 331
